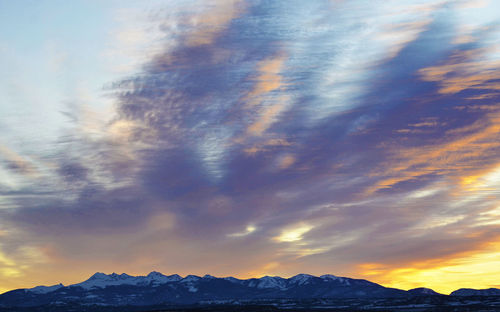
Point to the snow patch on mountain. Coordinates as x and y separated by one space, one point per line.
272 282
190 278
101 280
329 277
45 289
156 278
301 279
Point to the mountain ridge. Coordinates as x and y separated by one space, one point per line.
156 288
102 280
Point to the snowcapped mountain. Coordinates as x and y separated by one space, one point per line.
329 277
301 279
101 280
193 278
158 289
270 282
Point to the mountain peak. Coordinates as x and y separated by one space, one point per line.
272 282
98 275
232 279
174 277
301 278
420 291
208 276
104 276
191 278
119 276
155 274
101 280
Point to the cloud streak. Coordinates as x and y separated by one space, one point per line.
271 138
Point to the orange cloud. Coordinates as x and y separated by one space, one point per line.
267 116
268 78
466 155
286 161
465 71
261 100
212 22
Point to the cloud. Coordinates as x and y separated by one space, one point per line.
18 163
248 230
346 149
293 233
465 72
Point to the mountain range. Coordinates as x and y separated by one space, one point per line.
158 289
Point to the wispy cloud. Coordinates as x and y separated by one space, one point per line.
339 137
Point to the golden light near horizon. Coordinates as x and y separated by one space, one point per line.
478 271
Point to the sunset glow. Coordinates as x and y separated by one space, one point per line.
248 138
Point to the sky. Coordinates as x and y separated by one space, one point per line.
241 138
